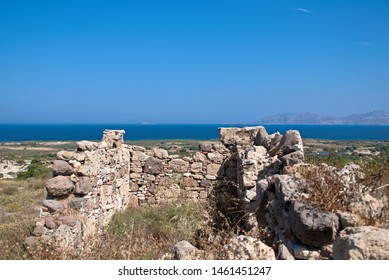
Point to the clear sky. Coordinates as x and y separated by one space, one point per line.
184 61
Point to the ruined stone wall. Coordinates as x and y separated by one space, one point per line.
91 184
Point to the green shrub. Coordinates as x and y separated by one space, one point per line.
36 169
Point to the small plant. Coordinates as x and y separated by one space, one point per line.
36 169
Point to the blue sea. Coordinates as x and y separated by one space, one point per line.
57 132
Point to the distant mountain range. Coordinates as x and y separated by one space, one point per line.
370 118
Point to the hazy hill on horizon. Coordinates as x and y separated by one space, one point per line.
369 118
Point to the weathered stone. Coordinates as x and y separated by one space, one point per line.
248 248
290 142
274 140
362 243
84 170
86 145
61 167
190 183
287 188
199 157
302 252
311 225
77 203
196 167
205 183
138 148
205 147
179 165
113 138
133 186
293 158
65 155
215 157
183 250
367 207
138 156
212 169
246 136
59 186
79 157
67 220
83 186
348 220
153 166
53 205
284 253
160 153
262 137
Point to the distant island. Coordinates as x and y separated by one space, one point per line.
370 118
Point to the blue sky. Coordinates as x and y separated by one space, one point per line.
203 61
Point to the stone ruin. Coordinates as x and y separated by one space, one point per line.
259 170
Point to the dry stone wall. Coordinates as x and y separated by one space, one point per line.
258 170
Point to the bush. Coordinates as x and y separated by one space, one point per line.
36 169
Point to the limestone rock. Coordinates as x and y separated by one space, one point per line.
61 167
183 250
160 153
83 186
53 205
50 224
199 157
59 186
196 167
287 188
139 156
348 220
153 166
86 145
246 136
179 165
362 243
113 138
213 169
293 158
205 147
311 225
215 157
65 155
290 142
248 248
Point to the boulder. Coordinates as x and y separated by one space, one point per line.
293 158
61 167
246 136
312 226
290 142
59 186
65 155
83 186
160 153
362 243
199 157
183 250
153 166
196 167
248 248
53 205
86 145
205 147
67 220
287 188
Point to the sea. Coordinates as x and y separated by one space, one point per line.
73 132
